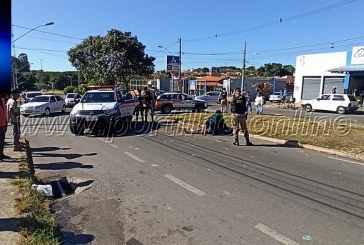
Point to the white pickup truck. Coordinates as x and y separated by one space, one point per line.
106 110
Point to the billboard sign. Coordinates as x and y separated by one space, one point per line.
172 63
357 56
192 84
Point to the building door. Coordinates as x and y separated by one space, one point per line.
331 82
311 87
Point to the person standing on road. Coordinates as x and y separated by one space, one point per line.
248 103
223 100
239 116
140 106
14 117
3 127
149 100
259 103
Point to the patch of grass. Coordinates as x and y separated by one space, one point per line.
338 134
38 225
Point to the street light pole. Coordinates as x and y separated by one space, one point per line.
243 70
47 24
180 65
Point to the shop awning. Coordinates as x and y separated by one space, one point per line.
348 69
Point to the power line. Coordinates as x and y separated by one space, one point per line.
277 22
50 33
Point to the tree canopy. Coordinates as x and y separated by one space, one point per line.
118 56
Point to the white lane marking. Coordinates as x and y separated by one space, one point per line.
185 185
105 141
134 157
344 160
275 235
115 146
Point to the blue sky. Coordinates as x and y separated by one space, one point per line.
162 22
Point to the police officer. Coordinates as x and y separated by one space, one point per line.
238 115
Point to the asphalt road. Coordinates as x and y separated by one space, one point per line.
165 187
273 109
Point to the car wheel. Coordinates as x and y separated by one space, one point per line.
77 130
308 108
64 109
341 110
47 112
166 109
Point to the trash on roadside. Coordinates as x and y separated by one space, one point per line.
44 189
307 238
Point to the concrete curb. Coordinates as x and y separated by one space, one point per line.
297 144
309 147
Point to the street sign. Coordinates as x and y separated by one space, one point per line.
172 63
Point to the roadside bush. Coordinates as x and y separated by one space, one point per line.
69 89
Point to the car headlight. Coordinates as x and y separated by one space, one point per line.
111 112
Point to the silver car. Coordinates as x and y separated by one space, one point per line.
210 97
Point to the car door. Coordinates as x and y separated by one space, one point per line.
53 104
323 103
60 102
187 101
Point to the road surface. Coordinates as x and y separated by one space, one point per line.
165 187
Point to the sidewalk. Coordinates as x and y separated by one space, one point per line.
9 221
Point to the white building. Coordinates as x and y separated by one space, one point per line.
317 74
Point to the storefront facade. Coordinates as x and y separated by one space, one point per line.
318 74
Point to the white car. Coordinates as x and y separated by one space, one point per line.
276 97
43 105
210 97
70 99
340 103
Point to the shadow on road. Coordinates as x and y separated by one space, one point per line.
49 148
73 238
61 165
9 175
10 224
66 155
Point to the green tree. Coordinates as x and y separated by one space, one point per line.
287 70
205 70
118 56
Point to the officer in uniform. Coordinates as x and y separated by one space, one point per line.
239 115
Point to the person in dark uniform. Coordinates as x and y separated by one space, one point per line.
149 101
239 116
140 106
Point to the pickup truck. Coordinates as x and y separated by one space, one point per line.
106 110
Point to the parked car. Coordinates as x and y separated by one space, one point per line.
43 105
209 97
99 110
275 97
168 102
71 99
340 103
28 96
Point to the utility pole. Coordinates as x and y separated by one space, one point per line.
243 70
180 66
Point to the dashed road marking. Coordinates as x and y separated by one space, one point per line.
134 157
275 235
344 160
185 185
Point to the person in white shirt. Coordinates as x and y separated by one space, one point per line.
259 101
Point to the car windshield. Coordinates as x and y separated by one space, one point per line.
70 95
41 99
101 97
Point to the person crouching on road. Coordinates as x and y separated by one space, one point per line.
14 117
215 124
3 127
238 116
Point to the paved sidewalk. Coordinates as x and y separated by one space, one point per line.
9 221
